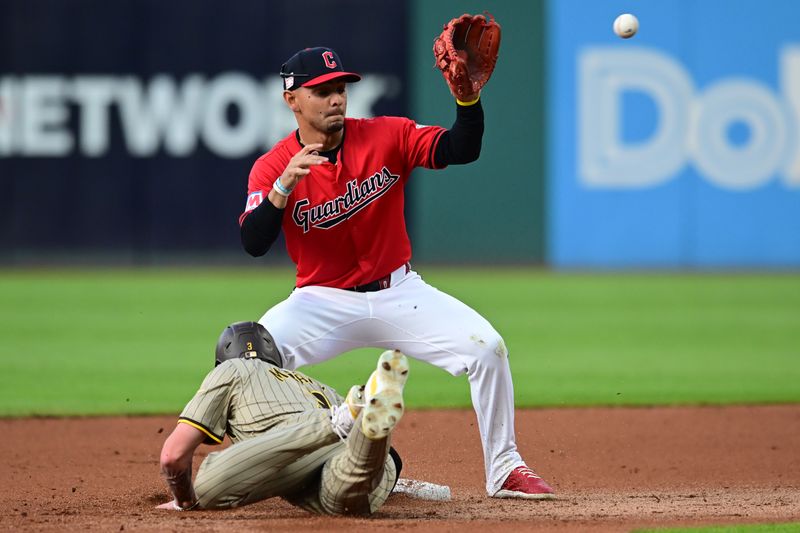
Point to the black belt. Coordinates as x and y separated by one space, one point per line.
378 285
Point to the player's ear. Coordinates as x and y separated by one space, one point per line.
291 100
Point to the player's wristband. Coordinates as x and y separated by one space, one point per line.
280 189
471 102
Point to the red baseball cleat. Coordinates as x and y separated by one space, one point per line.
523 483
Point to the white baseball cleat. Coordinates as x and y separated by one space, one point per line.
383 395
344 416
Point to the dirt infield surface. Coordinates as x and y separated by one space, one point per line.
614 470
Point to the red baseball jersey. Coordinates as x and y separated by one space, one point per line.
344 223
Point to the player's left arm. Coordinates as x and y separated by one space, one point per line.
462 142
466 52
435 147
176 466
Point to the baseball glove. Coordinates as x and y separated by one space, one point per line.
466 53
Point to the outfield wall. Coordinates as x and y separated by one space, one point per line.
127 128
493 210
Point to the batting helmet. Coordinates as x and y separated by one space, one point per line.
247 340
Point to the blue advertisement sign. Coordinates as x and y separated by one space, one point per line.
678 147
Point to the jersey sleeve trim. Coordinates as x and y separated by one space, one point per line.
432 153
196 425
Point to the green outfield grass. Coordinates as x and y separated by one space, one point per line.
752 528
140 341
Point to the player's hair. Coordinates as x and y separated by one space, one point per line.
247 340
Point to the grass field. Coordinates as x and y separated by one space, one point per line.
761 528
140 341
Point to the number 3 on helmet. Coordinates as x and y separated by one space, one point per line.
247 340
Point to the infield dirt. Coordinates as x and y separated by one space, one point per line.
614 470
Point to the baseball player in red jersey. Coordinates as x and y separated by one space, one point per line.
335 186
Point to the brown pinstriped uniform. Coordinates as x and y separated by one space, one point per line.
283 443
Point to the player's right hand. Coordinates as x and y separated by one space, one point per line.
299 165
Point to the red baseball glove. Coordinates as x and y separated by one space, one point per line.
466 53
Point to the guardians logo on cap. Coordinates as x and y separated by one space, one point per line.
314 66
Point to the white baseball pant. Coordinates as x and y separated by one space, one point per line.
315 324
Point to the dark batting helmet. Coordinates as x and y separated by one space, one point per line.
247 340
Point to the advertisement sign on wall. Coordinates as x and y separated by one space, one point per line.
129 127
678 147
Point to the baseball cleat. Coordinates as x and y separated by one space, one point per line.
523 483
383 395
343 416
355 400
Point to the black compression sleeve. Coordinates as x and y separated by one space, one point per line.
260 228
462 142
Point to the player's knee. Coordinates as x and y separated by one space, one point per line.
488 350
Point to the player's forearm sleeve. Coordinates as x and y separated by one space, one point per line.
462 142
260 228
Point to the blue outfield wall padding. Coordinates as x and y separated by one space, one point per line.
678 147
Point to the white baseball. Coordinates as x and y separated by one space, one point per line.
626 25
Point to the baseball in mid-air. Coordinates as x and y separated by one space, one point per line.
626 25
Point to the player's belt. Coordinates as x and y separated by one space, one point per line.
379 284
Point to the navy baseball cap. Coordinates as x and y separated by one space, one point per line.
314 66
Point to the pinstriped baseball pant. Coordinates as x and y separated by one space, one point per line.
304 461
